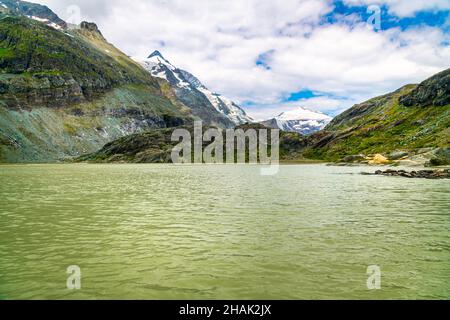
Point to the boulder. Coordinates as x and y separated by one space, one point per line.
440 157
354 158
397 155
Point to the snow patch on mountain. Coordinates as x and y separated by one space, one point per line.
47 22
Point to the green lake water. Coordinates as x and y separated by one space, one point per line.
221 232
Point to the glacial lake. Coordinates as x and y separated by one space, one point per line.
221 232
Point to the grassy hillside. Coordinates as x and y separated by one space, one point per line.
38 62
65 93
413 117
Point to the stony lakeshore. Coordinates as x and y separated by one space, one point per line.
423 174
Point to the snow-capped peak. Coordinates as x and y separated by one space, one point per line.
160 67
155 53
157 58
300 120
302 114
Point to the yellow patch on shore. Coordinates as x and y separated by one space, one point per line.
378 159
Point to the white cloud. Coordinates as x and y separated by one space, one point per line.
220 41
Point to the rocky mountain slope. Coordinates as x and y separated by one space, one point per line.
68 92
410 119
205 104
300 120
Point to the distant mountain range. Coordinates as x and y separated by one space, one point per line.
194 94
300 120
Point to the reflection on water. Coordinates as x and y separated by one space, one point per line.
220 232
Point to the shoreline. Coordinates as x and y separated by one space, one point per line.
372 167
429 174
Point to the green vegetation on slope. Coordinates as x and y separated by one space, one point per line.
39 64
387 123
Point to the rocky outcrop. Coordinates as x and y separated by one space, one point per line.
421 174
440 157
92 28
49 90
432 92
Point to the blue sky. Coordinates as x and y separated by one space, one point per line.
434 18
274 55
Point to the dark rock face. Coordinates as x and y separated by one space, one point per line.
51 91
434 91
201 107
422 174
